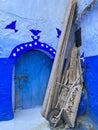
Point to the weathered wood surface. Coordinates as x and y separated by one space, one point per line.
73 101
66 68
70 94
65 74
52 89
73 65
80 69
69 76
72 104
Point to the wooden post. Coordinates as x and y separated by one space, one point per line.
52 89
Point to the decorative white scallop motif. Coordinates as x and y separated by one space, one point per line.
26 45
21 47
42 45
47 46
35 43
50 49
14 54
35 37
18 49
30 45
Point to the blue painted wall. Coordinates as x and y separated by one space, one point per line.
89 32
39 15
46 16
91 83
16 22
6 67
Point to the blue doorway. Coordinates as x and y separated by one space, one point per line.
32 71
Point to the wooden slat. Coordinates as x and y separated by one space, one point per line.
52 89
73 101
71 106
80 69
66 68
73 65
62 97
65 78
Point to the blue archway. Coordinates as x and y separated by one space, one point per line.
32 71
33 45
33 57
6 71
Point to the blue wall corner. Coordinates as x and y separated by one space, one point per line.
6 111
91 84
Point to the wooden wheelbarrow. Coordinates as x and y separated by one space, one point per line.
67 105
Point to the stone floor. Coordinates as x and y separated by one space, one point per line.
31 119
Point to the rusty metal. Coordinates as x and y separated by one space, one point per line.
20 78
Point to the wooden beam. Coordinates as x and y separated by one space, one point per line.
52 89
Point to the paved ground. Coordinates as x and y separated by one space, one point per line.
30 119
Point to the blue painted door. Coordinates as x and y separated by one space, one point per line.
32 71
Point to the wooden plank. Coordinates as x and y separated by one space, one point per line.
65 76
62 97
63 88
52 89
63 85
73 65
80 69
66 68
72 104
62 55
73 101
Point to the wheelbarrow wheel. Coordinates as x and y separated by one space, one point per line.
52 118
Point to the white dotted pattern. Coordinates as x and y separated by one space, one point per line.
30 45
